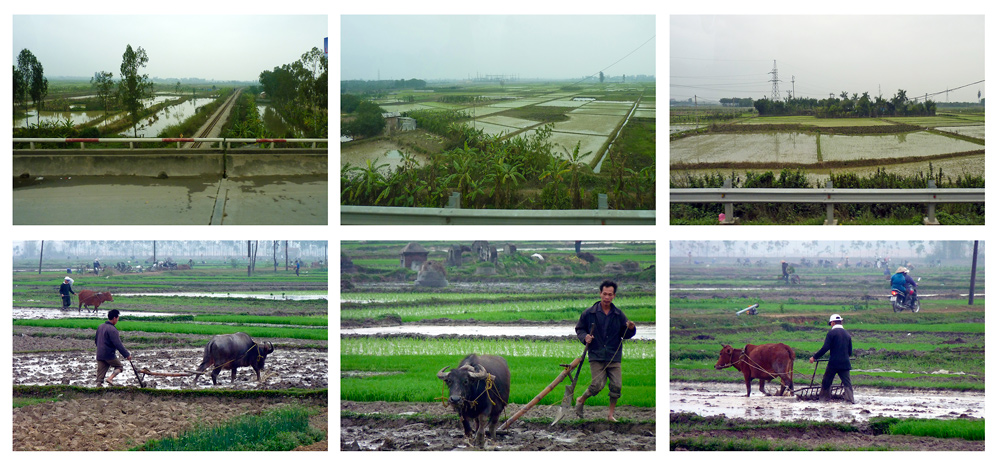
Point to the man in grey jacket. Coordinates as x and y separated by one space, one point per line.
108 342
838 342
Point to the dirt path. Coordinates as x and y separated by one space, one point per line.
433 427
124 419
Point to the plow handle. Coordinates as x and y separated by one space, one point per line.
534 401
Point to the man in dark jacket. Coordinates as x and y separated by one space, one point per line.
65 290
610 328
838 342
108 342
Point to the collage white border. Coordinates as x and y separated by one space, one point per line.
662 459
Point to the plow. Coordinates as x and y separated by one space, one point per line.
812 392
140 374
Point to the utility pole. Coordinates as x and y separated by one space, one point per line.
972 281
793 87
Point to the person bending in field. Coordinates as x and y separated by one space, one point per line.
108 342
610 329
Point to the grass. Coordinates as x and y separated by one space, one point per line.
275 430
27 401
538 113
182 328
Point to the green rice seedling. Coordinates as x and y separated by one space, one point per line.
418 380
275 430
969 429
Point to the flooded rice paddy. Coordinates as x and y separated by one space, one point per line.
792 148
707 399
974 131
379 152
920 143
284 368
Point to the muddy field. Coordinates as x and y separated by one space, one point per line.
122 419
434 427
53 356
284 368
729 399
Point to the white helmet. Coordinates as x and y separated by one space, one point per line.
835 317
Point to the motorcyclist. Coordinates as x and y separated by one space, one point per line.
901 281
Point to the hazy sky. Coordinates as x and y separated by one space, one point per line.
206 46
441 47
732 56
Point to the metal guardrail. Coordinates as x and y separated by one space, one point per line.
224 142
373 215
829 196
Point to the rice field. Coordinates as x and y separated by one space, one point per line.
921 143
638 308
791 148
972 131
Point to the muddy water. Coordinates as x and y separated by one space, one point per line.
642 332
259 296
707 399
55 313
284 368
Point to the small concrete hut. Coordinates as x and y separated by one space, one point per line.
412 256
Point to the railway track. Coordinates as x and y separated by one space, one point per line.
213 123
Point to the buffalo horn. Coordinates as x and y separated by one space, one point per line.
442 374
479 373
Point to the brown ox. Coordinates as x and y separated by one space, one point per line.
764 362
92 298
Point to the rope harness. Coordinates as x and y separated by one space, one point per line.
746 358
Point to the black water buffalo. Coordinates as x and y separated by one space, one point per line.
478 389
229 351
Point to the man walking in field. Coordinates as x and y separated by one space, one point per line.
610 329
108 342
838 342
65 290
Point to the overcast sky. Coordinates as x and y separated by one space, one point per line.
207 46
732 56
457 47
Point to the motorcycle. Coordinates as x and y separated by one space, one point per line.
898 301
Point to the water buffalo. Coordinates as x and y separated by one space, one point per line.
478 389
764 362
229 351
92 298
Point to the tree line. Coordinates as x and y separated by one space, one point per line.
367 86
128 92
845 106
298 91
